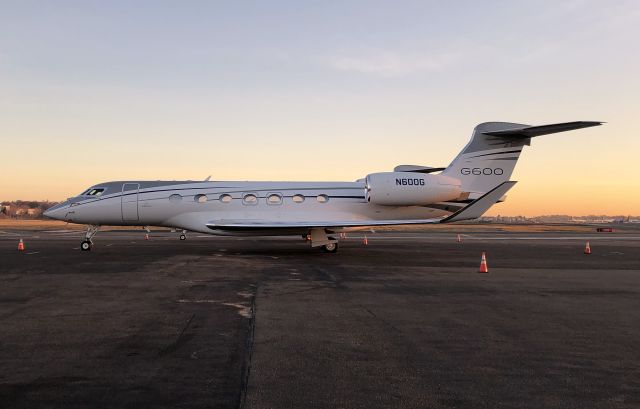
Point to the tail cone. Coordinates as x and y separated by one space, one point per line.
483 264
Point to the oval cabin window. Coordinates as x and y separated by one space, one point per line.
250 199
200 198
298 198
322 198
274 199
175 198
225 198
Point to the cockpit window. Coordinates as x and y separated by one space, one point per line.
93 192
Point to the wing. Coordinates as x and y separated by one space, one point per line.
474 210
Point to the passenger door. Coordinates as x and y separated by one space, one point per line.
130 202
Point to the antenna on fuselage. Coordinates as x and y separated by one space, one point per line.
207 179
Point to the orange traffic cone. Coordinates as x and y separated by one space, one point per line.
146 236
459 239
365 241
21 245
483 264
587 249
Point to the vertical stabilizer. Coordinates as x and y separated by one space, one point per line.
491 155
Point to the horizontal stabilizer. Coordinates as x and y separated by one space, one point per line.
478 207
531 131
416 168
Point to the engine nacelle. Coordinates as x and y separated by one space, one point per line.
410 188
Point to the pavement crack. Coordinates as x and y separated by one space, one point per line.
179 340
246 364
382 320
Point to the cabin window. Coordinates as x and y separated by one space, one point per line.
175 198
322 198
297 198
274 199
200 198
226 198
250 199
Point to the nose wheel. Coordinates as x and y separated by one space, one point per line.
85 245
183 236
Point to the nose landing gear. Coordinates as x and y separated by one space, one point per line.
183 235
86 244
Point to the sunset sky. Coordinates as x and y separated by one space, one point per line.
92 91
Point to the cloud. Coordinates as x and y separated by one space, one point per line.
389 64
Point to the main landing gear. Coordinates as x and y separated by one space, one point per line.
319 238
330 247
183 234
87 243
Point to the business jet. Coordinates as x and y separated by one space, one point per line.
475 180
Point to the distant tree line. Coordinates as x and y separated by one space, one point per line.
24 209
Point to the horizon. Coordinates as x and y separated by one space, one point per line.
611 215
97 92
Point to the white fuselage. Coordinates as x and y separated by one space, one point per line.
192 205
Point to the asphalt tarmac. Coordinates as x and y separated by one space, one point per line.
404 322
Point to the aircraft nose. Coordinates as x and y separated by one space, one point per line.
56 212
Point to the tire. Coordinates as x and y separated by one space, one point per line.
331 247
85 245
183 237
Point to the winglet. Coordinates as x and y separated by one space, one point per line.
479 206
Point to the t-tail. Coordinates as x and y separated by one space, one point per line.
491 155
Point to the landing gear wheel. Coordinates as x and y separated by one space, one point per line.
183 236
330 248
85 245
